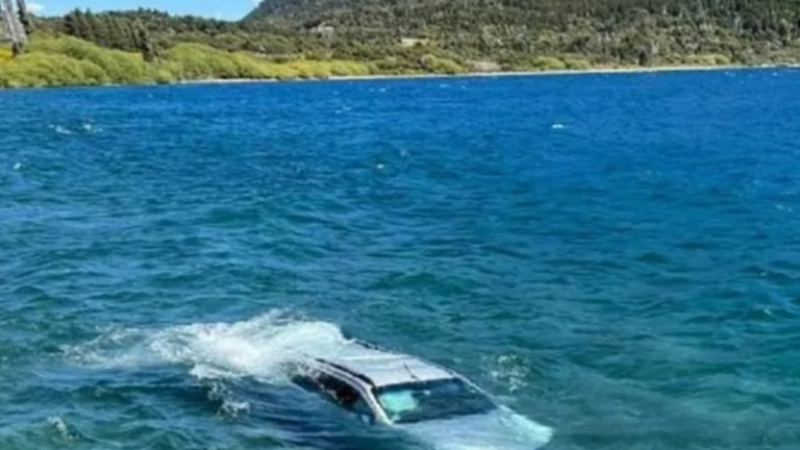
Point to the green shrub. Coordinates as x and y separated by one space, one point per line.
706 60
42 70
5 55
54 60
200 62
435 64
548 63
577 64
119 67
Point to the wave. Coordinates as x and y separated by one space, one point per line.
259 347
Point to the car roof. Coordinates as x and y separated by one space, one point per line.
383 368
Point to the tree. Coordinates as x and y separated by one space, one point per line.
17 49
25 17
143 42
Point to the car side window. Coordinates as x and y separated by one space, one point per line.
345 395
362 409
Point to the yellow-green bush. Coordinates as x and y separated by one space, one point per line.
5 55
577 64
119 67
348 69
62 61
544 63
42 69
548 63
310 69
198 62
435 64
249 66
707 60
164 72
392 65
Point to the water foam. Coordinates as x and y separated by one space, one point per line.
259 347
510 370
60 129
61 427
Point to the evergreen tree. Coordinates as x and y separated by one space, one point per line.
102 31
118 35
143 42
70 23
79 24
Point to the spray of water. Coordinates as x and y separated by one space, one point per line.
259 347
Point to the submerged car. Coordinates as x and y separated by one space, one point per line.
432 404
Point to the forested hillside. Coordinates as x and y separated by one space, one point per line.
450 14
511 34
602 31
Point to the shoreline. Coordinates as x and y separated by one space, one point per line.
424 76
537 73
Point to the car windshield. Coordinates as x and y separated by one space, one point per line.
441 399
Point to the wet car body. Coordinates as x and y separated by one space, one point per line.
434 405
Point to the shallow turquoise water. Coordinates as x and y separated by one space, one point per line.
616 257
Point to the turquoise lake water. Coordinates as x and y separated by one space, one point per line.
614 256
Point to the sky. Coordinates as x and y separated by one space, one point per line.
221 9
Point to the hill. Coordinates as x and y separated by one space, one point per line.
603 31
749 15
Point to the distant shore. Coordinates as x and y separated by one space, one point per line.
593 71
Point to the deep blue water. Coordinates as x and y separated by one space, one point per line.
614 256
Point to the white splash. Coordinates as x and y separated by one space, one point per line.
233 409
260 347
558 126
18 166
61 427
512 371
59 129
